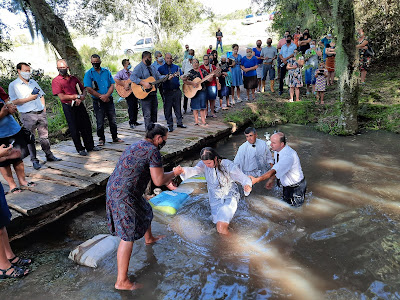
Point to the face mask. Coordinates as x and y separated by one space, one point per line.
288 41
160 59
235 51
63 72
25 75
161 145
148 62
258 45
248 54
190 56
129 67
96 65
269 43
312 46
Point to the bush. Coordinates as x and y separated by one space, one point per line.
172 46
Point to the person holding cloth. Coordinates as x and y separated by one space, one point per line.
222 177
100 84
287 170
27 95
65 87
172 93
249 64
253 157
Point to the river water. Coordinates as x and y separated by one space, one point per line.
343 243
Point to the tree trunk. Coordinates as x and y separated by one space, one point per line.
54 30
346 65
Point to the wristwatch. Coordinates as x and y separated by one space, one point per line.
78 97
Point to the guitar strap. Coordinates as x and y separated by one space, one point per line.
201 74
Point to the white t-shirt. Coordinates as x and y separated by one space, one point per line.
288 168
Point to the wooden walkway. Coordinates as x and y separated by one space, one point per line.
63 186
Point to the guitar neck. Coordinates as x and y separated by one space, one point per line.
163 79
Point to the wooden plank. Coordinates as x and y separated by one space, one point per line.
71 170
51 188
30 203
60 178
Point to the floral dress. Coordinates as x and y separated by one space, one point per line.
295 76
129 215
365 60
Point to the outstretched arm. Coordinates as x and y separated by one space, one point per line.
160 178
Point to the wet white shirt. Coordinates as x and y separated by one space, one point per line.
20 90
223 191
254 161
288 168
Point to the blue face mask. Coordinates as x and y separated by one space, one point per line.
190 56
129 67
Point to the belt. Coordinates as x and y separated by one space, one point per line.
34 112
296 184
267 63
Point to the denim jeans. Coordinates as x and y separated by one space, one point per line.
101 110
219 43
270 69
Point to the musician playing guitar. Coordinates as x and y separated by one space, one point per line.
122 79
198 102
141 72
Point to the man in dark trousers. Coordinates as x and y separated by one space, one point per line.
65 87
172 93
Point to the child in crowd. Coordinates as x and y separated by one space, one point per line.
320 81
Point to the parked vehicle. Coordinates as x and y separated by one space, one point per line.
249 19
143 44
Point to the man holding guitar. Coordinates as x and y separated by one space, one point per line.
172 93
144 75
124 88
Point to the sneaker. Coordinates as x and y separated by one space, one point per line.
51 157
238 100
95 148
280 93
36 165
132 126
246 99
83 153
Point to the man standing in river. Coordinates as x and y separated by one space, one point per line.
287 170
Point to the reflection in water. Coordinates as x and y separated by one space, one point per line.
343 243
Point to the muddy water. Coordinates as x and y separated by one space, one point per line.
343 243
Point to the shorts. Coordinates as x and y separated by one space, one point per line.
199 101
211 92
19 143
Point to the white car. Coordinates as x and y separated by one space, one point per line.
143 44
249 19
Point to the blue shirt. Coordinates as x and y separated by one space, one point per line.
258 54
157 65
104 80
326 42
286 50
141 72
18 89
237 59
8 126
172 84
249 63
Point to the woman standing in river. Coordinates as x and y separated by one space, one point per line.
223 191
129 214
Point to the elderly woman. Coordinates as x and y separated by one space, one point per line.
129 214
11 266
330 61
159 60
294 67
222 176
237 80
365 58
199 102
11 133
249 64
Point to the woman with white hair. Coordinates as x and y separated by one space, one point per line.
159 60
249 64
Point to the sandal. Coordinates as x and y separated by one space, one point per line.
16 190
118 140
16 273
28 185
21 262
101 143
196 124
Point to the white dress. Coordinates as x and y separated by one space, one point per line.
223 191
254 161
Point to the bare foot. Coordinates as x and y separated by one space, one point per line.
153 239
127 286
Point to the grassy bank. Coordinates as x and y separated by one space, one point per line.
379 106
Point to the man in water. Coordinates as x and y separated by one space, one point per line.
287 169
253 157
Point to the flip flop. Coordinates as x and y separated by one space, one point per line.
16 190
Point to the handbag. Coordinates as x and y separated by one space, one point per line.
369 52
28 136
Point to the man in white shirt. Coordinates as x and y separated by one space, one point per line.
253 157
27 95
287 169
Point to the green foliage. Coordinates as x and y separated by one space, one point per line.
109 44
172 46
237 14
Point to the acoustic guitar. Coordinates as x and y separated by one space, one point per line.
190 91
140 92
122 92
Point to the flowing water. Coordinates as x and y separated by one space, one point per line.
343 243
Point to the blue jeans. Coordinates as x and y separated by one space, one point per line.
219 43
101 110
270 69
149 108
310 75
